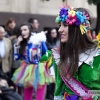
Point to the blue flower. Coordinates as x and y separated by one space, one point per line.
63 14
80 16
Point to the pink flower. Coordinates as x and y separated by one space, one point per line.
71 20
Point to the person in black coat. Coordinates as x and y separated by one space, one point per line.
6 92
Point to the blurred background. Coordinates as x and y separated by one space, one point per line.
41 14
44 10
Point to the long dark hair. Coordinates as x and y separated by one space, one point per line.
49 38
69 51
24 42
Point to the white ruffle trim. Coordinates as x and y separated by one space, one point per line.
37 38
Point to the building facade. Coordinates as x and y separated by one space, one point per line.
21 10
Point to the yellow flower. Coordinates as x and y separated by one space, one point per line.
72 12
99 44
98 39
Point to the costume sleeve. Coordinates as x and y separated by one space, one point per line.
47 58
16 52
43 48
92 82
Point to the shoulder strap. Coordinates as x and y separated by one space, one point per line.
76 87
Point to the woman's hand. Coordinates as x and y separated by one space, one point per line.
11 87
3 82
19 40
0 91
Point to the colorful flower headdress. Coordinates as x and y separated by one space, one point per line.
69 16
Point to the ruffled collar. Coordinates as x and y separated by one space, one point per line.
87 57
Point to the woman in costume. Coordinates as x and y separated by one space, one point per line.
31 74
77 61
